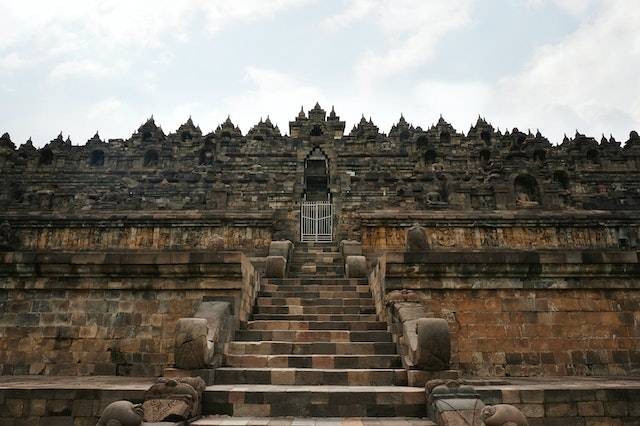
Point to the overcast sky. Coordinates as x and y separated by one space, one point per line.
78 66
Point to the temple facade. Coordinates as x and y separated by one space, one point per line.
436 173
361 264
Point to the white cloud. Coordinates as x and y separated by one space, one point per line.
412 29
12 61
574 7
85 68
273 93
41 29
589 79
106 107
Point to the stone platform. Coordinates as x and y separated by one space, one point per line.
545 401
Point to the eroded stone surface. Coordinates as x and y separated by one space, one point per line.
174 398
121 413
276 267
503 415
417 239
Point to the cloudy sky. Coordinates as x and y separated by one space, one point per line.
78 66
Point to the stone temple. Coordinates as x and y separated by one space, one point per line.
425 276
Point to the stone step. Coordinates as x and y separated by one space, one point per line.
320 258
316 294
326 274
318 267
313 335
327 248
315 325
297 301
223 420
317 281
314 288
297 310
311 376
320 401
313 361
310 348
315 317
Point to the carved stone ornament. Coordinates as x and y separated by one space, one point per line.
174 399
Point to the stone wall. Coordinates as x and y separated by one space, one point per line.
580 404
109 313
64 401
528 313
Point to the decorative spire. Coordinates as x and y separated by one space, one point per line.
5 141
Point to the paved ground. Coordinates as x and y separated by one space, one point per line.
143 383
330 421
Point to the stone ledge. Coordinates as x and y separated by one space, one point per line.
512 269
119 219
503 218
497 256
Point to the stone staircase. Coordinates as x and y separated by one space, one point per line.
314 348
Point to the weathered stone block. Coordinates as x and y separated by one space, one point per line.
281 248
197 338
276 267
192 348
417 239
122 413
350 248
356 267
431 343
503 414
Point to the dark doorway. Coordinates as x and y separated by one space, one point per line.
316 176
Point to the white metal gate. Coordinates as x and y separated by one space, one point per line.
316 222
